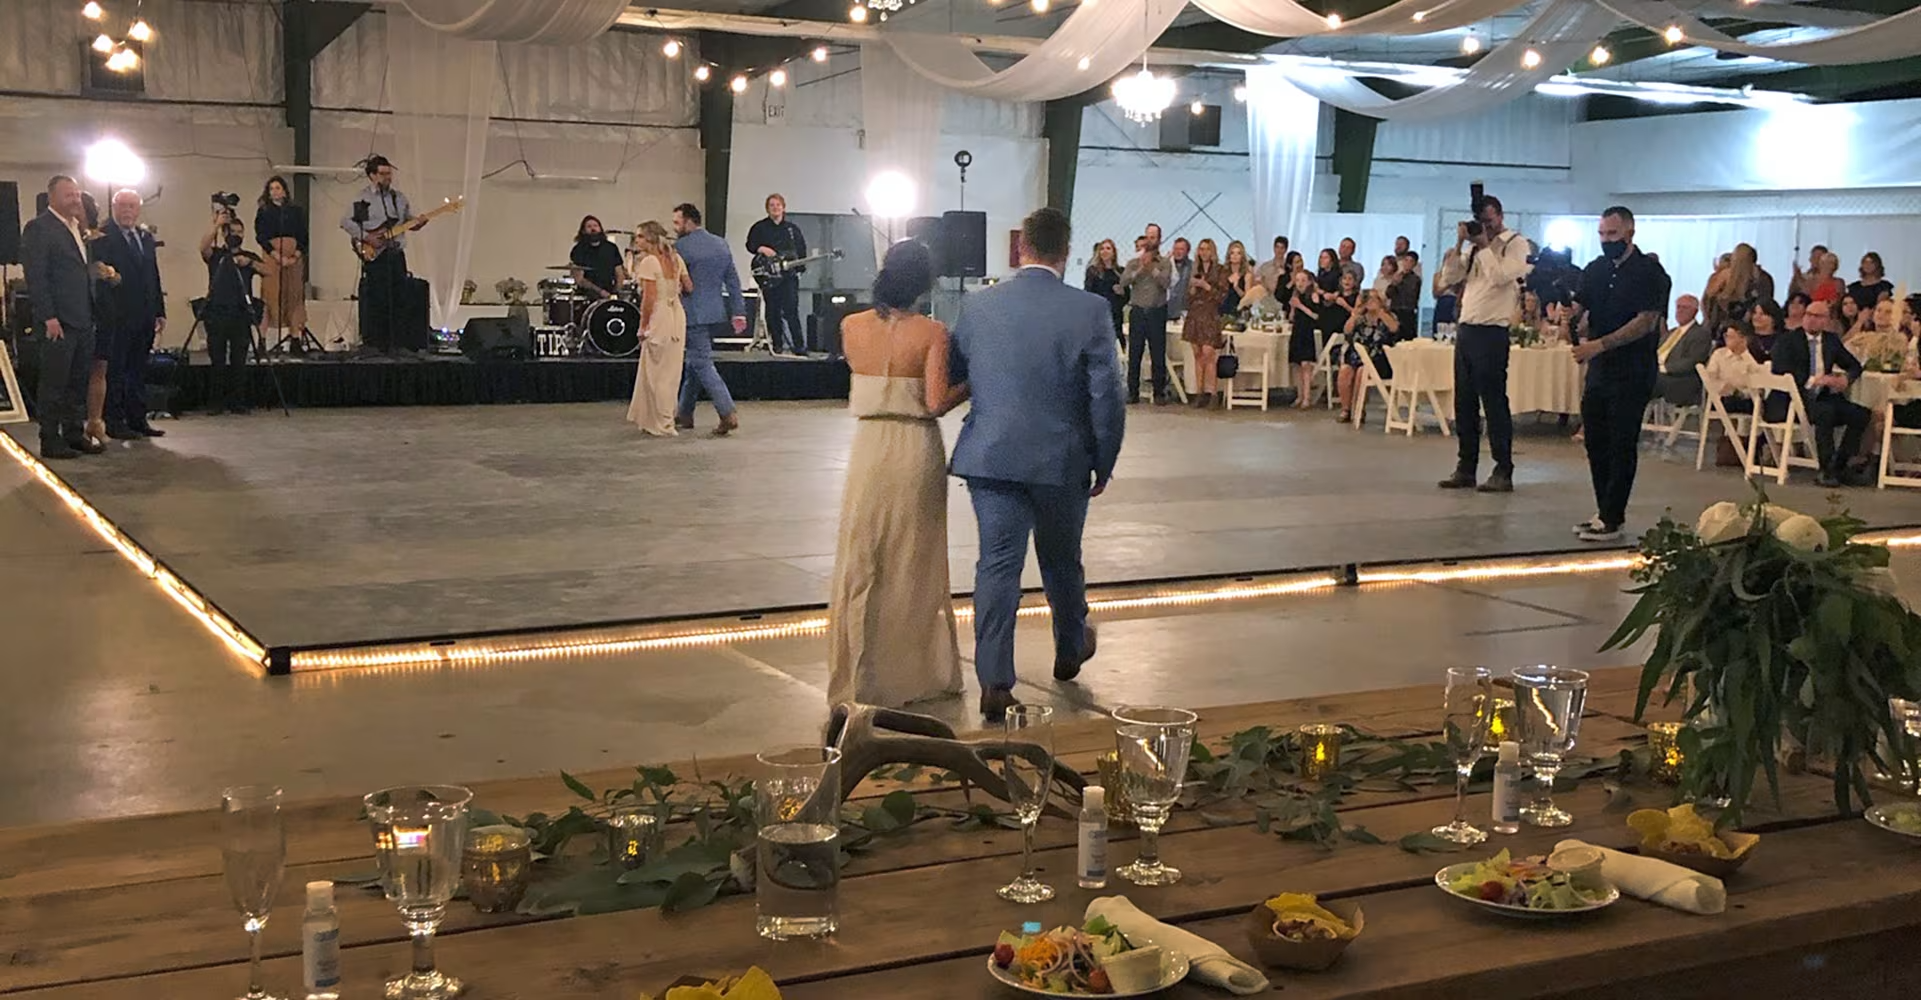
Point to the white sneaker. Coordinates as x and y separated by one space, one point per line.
1591 524
1601 533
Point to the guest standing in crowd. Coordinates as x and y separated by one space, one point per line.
1349 264
280 228
1799 281
1208 289
1146 280
1874 285
1103 278
1327 272
1303 319
663 332
1336 309
891 637
1272 276
135 314
1821 365
1041 439
1767 323
1489 263
1404 296
1732 291
1243 283
1822 285
229 314
1687 344
710 307
1623 298
1385 277
1182 262
60 281
1447 302
1371 330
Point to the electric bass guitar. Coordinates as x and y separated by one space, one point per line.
376 242
771 269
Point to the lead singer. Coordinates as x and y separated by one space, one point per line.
1492 268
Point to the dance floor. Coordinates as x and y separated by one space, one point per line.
335 526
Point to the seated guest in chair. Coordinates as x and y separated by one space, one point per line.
1768 322
1732 366
1688 344
1821 365
1371 328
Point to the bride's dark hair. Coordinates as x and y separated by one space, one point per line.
905 276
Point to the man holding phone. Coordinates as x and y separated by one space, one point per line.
1490 261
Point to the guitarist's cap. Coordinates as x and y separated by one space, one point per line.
374 163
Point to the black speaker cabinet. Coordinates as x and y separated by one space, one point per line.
963 250
926 231
9 222
824 324
497 338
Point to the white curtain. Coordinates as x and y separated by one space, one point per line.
1888 38
1288 19
442 89
553 22
1096 42
1283 128
901 122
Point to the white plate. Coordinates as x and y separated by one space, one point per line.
1879 817
1173 970
1448 874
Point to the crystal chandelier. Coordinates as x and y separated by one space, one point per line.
886 7
1143 96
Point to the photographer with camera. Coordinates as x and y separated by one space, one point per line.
1490 262
230 310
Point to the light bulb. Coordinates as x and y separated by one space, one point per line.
820 53
1673 34
1600 55
1083 64
702 73
140 32
102 44
858 14
671 48
738 85
1470 44
777 78
1419 16
1240 92
1040 6
1334 21
1196 108
92 11
1530 59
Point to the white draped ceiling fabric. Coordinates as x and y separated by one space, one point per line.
1283 127
442 89
1097 42
1287 19
552 22
1888 38
900 126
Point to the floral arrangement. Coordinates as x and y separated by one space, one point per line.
1775 628
1523 335
510 290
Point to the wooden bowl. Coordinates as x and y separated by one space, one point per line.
1741 843
1278 952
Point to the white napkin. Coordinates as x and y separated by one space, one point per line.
1208 962
1658 881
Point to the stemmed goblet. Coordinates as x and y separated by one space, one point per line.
1027 764
1549 701
1153 743
1468 705
419 834
253 854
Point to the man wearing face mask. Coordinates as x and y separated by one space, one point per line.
1618 316
598 266
228 312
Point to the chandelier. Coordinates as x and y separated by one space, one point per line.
885 7
1143 96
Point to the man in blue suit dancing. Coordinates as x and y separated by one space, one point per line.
1040 440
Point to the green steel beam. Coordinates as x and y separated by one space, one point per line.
1353 157
1061 127
306 28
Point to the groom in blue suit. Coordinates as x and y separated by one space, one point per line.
1040 440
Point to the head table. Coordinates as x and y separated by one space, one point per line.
1539 379
1828 906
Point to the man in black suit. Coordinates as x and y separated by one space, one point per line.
1824 370
60 280
135 313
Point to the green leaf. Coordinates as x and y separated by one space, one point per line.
1425 842
690 892
900 805
879 820
1359 835
1836 617
574 785
661 776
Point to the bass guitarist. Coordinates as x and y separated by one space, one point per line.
378 207
776 238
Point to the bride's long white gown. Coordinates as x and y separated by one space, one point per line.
657 381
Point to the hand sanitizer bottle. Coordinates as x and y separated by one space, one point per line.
1507 789
320 943
1093 839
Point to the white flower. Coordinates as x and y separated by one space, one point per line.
1775 514
1721 522
1802 532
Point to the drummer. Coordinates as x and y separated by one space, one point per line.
599 270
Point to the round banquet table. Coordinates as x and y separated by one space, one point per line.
1539 379
1874 389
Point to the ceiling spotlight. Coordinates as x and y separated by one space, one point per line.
1600 55
1334 21
1419 16
1240 92
820 53
141 31
92 11
1083 64
1196 108
1530 59
858 14
738 85
102 44
777 78
1673 34
671 48
1470 44
702 73
1040 6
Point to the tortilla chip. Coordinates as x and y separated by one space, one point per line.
1304 906
754 984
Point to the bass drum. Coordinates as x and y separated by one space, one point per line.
613 328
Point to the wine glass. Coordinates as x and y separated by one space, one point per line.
1468 704
1549 701
419 833
1153 743
253 853
1908 714
1027 764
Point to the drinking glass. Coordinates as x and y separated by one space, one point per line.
1154 743
420 832
1027 763
797 811
1467 707
1549 700
253 853
1908 714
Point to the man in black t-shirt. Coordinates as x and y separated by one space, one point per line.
1623 300
599 268
777 237
228 313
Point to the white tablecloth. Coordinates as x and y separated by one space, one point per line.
1247 343
1874 389
1539 379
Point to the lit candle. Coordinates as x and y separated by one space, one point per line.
495 867
1108 766
1320 750
1664 751
630 835
1502 725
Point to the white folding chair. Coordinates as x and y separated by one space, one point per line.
1253 371
1663 417
1791 439
1327 367
1894 471
1714 408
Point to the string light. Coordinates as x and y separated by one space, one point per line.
671 48
738 84
1196 108
1040 6
857 14
123 60
103 44
140 32
703 72
1240 92
92 11
777 78
1334 21
1673 34
1470 44
1083 64
1530 59
820 53
1600 55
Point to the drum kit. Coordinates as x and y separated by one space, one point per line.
577 323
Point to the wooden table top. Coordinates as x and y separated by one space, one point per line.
137 907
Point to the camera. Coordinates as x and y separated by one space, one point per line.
1555 278
227 198
1477 199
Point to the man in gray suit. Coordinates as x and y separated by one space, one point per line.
1041 439
1688 344
61 283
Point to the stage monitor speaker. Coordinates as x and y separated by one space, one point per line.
497 338
927 230
9 222
824 323
963 245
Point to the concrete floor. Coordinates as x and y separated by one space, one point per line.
114 702
340 525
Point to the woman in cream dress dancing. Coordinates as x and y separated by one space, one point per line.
663 331
891 637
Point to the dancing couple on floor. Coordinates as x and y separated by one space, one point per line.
1036 357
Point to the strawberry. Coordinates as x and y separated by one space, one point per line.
1097 982
1493 891
1003 955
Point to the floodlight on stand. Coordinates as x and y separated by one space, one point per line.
103 45
777 78
92 11
141 31
1470 44
109 161
671 48
891 195
1673 34
1530 59
820 53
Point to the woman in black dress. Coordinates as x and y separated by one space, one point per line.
1303 303
1104 279
1336 307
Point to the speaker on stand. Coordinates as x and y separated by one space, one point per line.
9 244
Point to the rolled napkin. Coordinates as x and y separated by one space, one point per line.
1207 961
1658 881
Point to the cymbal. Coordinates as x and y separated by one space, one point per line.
558 267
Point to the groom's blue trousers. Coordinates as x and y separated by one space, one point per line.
1007 512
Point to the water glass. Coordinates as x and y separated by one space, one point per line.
420 833
1908 715
1027 765
1549 701
1468 705
253 855
797 860
1154 743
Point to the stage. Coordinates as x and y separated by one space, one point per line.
340 526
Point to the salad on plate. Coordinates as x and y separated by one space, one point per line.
1527 883
1093 960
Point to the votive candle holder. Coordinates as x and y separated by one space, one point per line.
495 867
1664 752
1320 750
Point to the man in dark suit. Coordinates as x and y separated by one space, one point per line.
60 280
1824 369
135 312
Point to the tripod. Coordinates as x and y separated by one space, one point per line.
258 353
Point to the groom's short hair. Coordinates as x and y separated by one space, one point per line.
1046 234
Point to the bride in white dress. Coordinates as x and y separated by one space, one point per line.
663 327
891 635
